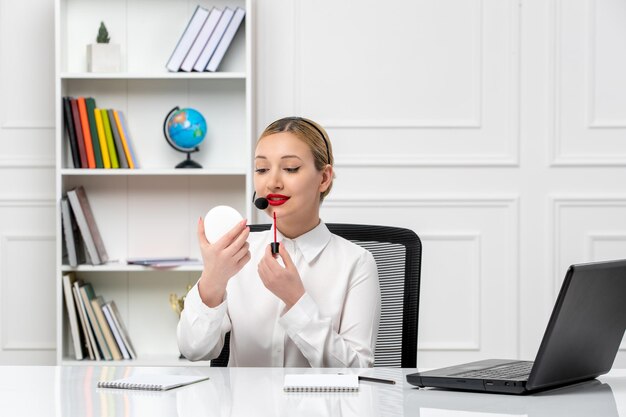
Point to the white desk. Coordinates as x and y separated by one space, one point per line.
71 392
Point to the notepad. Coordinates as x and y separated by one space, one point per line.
152 382
321 383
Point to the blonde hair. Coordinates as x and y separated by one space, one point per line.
310 133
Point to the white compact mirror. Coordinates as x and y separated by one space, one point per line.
218 221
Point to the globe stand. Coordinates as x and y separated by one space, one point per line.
189 163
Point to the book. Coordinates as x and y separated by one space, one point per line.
96 304
106 161
87 294
121 157
163 262
187 38
84 123
71 234
321 383
226 40
92 346
90 103
78 130
201 40
68 281
152 382
87 225
109 136
127 138
214 40
108 315
117 318
120 132
71 135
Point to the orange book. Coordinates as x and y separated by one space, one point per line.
84 121
131 163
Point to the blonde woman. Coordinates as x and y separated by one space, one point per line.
314 304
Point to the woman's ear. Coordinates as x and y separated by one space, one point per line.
327 178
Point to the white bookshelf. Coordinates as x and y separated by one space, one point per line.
153 210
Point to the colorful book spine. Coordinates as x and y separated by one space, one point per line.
84 122
106 161
118 124
71 135
109 136
97 152
129 140
79 134
121 157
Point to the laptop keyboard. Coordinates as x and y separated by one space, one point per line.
515 370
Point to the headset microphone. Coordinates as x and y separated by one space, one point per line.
261 203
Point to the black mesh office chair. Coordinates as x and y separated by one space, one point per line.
398 255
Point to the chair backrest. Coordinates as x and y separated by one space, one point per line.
398 255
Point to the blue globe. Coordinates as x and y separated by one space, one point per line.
186 128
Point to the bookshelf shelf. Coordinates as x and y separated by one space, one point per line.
154 172
140 361
119 267
155 76
151 211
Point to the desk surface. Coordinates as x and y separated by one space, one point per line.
68 391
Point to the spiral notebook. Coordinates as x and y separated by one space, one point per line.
152 382
321 383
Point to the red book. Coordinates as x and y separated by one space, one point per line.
84 122
79 134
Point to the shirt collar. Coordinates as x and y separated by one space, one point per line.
311 243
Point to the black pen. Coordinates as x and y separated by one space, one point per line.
382 381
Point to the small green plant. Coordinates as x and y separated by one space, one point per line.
103 34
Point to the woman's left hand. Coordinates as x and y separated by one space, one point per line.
285 282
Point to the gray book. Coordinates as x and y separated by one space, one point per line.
116 332
121 155
71 235
117 318
227 38
87 225
214 40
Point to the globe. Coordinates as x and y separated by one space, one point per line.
184 129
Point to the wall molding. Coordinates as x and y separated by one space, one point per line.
556 204
476 342
512 136
12 345
507 201
556 154
27 162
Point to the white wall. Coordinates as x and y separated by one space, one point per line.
493 128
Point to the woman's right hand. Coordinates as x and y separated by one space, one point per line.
222 260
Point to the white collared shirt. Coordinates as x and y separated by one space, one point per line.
334 324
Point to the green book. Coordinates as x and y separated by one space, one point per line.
91 106
109 135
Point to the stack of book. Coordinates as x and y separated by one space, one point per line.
98 332
205 40
99 138
83 242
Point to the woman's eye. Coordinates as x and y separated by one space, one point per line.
260 170
292 170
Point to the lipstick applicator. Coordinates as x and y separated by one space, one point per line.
275 244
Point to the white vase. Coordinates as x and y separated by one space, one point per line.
104 57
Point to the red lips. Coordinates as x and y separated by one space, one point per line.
276 199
